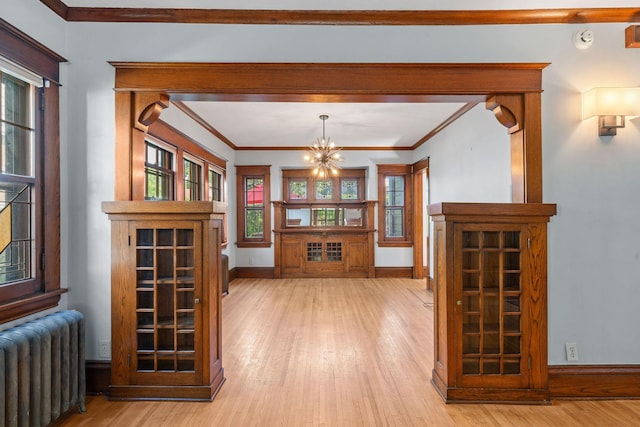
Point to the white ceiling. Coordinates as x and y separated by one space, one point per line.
295 124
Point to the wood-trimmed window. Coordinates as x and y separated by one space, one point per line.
216 184
29 179
189 162
395 215
254 206
159 182
302 186
192 171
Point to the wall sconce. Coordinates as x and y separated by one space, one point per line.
611 105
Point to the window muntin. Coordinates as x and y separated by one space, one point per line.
192 180
18 185
159 174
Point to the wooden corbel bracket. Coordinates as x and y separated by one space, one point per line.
508 110
148 107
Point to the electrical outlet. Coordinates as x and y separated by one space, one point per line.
105 349
572 351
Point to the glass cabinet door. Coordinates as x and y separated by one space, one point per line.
491 302
166 298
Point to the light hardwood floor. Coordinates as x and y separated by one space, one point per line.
337 352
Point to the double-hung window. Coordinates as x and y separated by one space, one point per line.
158 170
18 188
29 179
254 206
192 180
215 185
394 214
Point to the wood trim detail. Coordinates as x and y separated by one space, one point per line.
252 273
202 122
344 17
340 82
594 381
98 374
394 272
452 118
29 53
632 36
148 107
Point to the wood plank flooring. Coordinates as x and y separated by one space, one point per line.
337 352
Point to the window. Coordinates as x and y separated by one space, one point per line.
215 185
394 214
29 240
158 171
324 189
298 189
302 186
254 206
192 180
18 180
349 189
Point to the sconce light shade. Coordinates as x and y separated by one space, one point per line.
611 105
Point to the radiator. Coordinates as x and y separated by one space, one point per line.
42 367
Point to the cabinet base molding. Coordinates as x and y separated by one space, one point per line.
490 395
194 393
594 381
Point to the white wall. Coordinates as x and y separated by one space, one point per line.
594 256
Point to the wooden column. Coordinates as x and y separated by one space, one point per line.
521 115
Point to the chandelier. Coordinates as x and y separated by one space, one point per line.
323 155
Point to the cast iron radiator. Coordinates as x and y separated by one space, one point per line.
42 369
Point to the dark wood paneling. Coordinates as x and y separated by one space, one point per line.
594 382
345 17
394 272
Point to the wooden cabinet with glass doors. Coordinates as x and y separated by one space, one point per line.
490 301
323 226
166 297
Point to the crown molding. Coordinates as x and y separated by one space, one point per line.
344 17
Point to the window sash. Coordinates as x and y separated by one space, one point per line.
215 185
253 206
192 180
18 214
395 207
159 174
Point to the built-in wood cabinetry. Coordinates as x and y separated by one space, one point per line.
165 300
323 226
490 301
